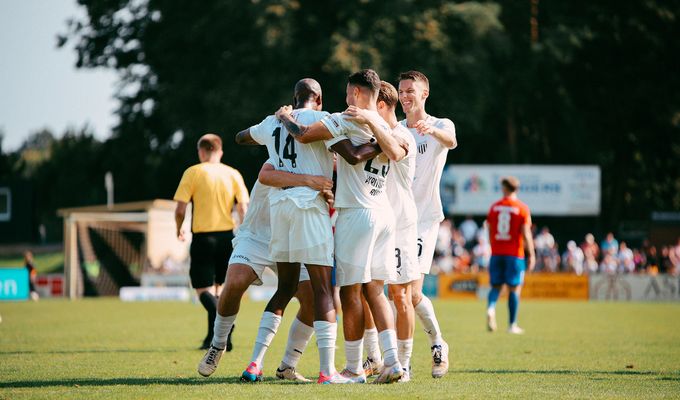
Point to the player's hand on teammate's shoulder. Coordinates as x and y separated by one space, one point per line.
402 143
356 114
423 127
284 110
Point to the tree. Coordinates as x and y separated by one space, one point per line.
525 82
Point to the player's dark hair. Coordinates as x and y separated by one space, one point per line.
210 142
366 78
415 76
305 90
510 183
388 94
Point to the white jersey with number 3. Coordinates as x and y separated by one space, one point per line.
400 182
288 155
361 185
430 161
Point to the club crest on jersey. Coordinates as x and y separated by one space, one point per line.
422 148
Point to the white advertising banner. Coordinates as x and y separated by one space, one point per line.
546 189
662 287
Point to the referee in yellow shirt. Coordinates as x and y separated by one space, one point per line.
212 187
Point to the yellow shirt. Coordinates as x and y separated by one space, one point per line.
212 187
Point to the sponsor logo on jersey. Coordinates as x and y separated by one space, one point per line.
422 148
242 257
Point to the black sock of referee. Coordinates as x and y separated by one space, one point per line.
209 302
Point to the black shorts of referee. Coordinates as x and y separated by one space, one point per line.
210 252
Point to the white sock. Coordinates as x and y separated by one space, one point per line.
353 355
371 344
405 348
298 337
425 312
326 334
388 341
394 310
269 324
222 327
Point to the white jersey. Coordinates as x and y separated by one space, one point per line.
430 162
288 155
400 181
255 224
361 185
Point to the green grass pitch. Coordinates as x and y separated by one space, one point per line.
106 349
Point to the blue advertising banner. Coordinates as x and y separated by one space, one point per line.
13 284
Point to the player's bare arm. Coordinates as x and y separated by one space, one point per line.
445 137
302 133
244 138
529 244
180 213
271 177
356 154
388 143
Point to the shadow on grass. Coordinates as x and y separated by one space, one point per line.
567 372
90 351
189 381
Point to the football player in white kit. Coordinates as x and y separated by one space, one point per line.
301 228
248 261
364 231
434 138
399 192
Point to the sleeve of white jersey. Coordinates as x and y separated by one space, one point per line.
448 126
262 131
337 126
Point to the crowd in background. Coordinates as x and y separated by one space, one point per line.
466 248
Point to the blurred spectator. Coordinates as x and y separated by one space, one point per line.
625 258
651 260
444 238
609 265
609 245
468 229
590 248
572 259
455 254
483 233
482 253
674 256
552 259
665 260
32 273
640 260
544 242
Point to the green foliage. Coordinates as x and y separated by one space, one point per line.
599 85
106 349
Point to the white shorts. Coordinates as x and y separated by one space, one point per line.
364 246
406 255
255 255
427 240
301 235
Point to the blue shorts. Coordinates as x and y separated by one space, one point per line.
507 270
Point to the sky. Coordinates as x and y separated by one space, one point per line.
39 84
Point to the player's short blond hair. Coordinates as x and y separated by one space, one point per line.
415 76
210 142
510 183
388 94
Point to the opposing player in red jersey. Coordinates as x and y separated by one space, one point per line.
509 233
